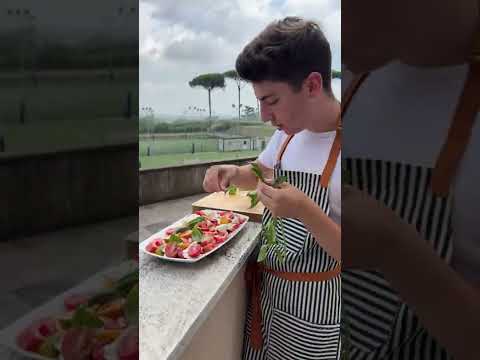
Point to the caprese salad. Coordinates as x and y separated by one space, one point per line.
99 326
198 234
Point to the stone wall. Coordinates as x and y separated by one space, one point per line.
177 181
50 191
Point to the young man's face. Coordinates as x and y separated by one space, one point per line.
282 106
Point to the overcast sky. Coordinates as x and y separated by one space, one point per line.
180 39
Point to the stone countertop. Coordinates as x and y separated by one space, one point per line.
175 298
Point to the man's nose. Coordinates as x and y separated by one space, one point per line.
265 113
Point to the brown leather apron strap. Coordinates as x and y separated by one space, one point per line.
253 276
304 276
459 133
352 90
333 156
283 148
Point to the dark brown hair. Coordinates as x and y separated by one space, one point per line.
287 50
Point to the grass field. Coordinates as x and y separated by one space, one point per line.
150 162
177 145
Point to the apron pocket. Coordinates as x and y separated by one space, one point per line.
370 309
294 232
296 339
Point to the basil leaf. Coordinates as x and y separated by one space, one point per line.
195 221
231 190
84 318
262 255
197 234
174 238
253 198
280 253
257 171
278 181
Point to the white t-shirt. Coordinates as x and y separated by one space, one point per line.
403 113
307 152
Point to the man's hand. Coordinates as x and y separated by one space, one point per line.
219 177
284 201
371 231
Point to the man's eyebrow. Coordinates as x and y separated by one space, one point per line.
265 97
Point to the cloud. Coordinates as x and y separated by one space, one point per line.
180 39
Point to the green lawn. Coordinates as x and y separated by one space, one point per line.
151 162
175 146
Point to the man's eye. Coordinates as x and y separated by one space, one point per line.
273 102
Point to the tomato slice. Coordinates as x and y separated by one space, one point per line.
73 301
194 250
151 248
171 250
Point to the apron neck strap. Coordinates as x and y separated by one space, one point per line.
282 150
332 157
459 133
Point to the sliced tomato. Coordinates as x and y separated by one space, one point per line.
77 344
169 231
235 226
151 248
114 324
222 233
47 327
180 253
158 242
29 339
194 250
199 212
171 250
207 248
128 346
73 301
219 239
203 226
98 352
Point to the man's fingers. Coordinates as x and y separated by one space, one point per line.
266 190
211 180
265 200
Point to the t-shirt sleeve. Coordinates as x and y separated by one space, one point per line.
268 156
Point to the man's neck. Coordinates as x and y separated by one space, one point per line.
327 120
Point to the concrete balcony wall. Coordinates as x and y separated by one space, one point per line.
177 181
67 188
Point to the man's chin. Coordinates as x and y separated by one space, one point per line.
290 131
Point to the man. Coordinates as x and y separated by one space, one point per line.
297 315
413 230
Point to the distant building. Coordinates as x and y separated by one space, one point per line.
241 143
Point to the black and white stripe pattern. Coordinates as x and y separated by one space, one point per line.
301 320
380 325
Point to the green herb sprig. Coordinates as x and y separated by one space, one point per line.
269 230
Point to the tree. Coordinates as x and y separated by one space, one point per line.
249 111
336 74
209 82
232 74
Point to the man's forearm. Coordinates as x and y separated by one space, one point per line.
326 232
446 304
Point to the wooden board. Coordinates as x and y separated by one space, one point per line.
239 203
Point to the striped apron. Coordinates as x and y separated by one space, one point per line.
378 323
295 306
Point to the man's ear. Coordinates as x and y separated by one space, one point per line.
314 83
